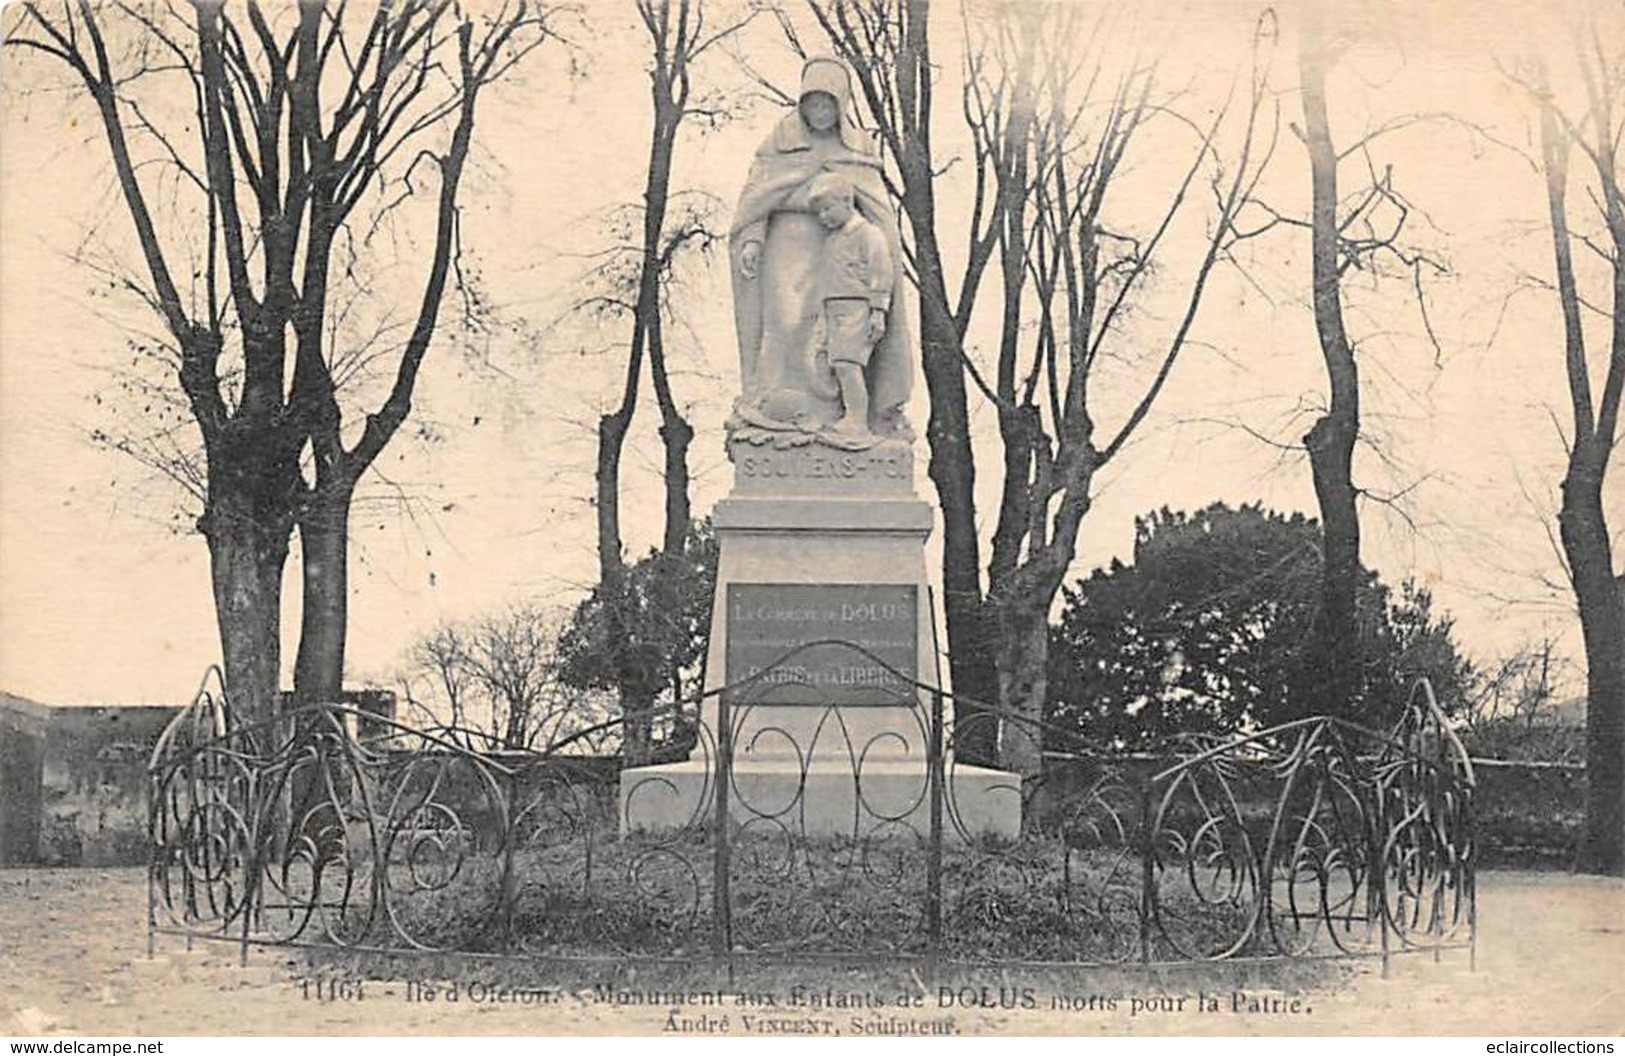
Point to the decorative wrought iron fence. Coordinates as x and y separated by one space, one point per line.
1316 838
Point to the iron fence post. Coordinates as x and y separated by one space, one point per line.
721 906
250 897
510 881
1147 874
1377 886
152 863
1470 878
933 861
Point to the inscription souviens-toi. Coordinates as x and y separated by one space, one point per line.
818 465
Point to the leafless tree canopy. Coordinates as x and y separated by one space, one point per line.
1057 114
257 209
493 684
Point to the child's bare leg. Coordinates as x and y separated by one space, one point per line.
854 399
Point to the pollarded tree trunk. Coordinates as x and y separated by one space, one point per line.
318 674
324 540
298 123
247 523
1022 597
1023 666
246 559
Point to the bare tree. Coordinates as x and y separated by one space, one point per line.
1355 224
1522 685
437 659
1086 267
493 684
1599 589
679 34
888 46
1055 113
300 127
1331 440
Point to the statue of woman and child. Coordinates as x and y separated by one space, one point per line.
818 282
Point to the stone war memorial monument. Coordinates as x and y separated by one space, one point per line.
821 625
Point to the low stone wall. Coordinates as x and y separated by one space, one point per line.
74 782
73 779
1527 815
23 724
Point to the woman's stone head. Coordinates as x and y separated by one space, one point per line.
826 91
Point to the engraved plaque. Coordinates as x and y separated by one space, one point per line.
768 620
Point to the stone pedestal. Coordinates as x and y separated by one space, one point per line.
822 627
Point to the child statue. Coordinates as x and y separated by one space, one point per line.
856 277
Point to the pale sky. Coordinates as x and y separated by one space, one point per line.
101 599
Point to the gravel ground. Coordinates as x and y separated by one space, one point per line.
1551 962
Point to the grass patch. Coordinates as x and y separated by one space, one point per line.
1031 901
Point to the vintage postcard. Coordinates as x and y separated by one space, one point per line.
846 518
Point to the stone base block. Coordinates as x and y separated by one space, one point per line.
824 800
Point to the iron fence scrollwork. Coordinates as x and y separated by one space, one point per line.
1318 837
